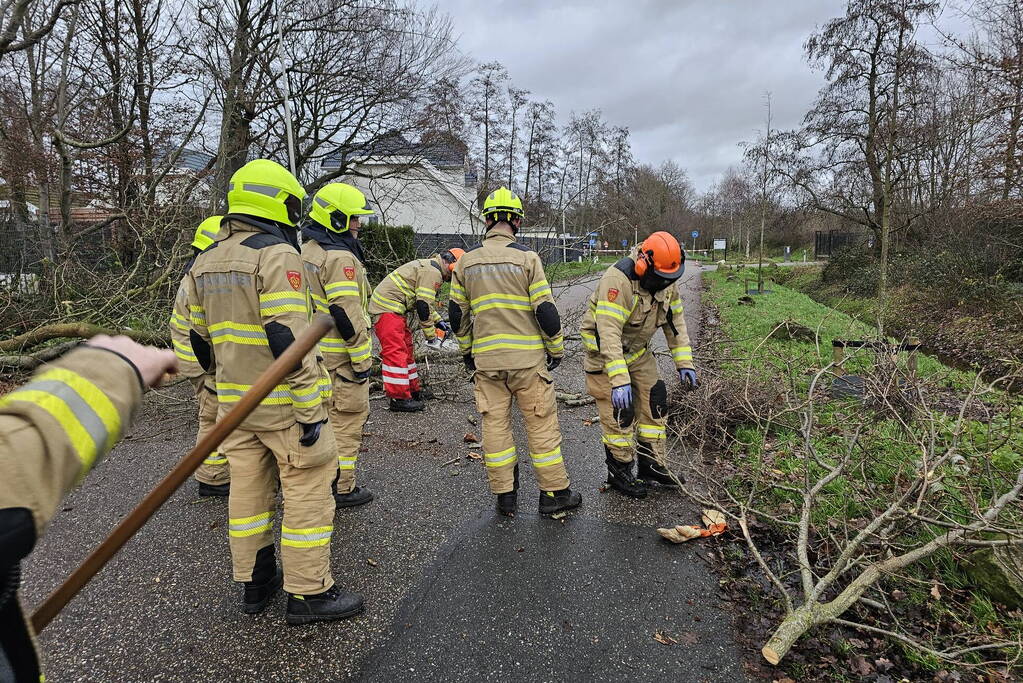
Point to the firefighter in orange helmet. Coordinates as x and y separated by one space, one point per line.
636 297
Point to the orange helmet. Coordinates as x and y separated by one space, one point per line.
663 252
451 256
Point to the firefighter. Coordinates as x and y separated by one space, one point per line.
408 294
636 297
213 475
335 265
52 431
509 332
248 300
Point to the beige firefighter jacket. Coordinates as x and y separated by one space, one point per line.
337 278
247 300
621 319
56 427
508 320
404 288
188 364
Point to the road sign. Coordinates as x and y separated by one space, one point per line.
593 242
694 234
625 243
720 244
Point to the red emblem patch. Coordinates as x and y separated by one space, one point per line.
295 278
612 294
349 272
436 285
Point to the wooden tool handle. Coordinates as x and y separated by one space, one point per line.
273 376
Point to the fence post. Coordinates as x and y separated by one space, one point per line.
837 356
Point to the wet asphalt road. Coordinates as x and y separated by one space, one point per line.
453 592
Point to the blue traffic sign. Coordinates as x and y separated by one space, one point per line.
625 243
694 234
593 242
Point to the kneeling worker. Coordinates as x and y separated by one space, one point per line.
408 291
509 331
635 298
335 264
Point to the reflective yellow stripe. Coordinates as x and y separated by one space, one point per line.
402 285
501 458
555 345
458 293
650 431
616 367
547 459
179 322
333 345
184 351
681 354
496 342
677 308
306 538
347 462
85 414
612 311
512 302
339 289
197 315
238 333
389 304
215 458
538 290
250 526
426 293
464 342
589 341
632 357
618 440
359 353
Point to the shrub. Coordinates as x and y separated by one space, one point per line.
387 247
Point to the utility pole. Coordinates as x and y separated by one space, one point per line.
763 198
287 92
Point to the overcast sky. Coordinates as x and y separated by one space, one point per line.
686 76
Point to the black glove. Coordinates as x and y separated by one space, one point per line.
310 432
552 362
470 364
363 374
444 325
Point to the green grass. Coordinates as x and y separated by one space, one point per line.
557 272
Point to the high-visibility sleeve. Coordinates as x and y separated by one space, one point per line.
676 334
541 300
284 303
340 279
428 283
180 326
459 311
54 429
611 310
199 340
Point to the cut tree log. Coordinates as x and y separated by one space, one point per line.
31 362
80 331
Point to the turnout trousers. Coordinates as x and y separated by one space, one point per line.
650 404
533 390
397 358
260 461
349 410
214 469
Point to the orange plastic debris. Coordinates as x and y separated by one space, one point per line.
713 520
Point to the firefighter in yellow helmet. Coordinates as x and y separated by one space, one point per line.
213 475
634 298
405 296
248 299
335 266
52 431
509 331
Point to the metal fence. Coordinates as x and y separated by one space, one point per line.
551 249
826 243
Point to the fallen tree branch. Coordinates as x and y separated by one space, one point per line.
31 362
80 331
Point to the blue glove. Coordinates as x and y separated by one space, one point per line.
621 397
310 432
688 378
444 325
363 374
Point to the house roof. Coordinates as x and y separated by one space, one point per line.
441 155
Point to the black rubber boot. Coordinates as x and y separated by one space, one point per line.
214 489
553 502
651 472
360 495
333 604
620 477
508 502
406 405
266 581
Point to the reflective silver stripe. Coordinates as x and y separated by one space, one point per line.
536 343
83 412
231 331
268 190
321 202
292 536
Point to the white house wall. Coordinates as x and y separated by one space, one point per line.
429 200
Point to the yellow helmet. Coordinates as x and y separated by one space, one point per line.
336 203
265 189
206 233
503 205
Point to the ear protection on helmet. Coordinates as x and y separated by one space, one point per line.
643 261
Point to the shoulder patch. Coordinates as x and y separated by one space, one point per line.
295 279
262 240
520 247
350 272
612 294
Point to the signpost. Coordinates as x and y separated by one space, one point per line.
720 244
694 234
